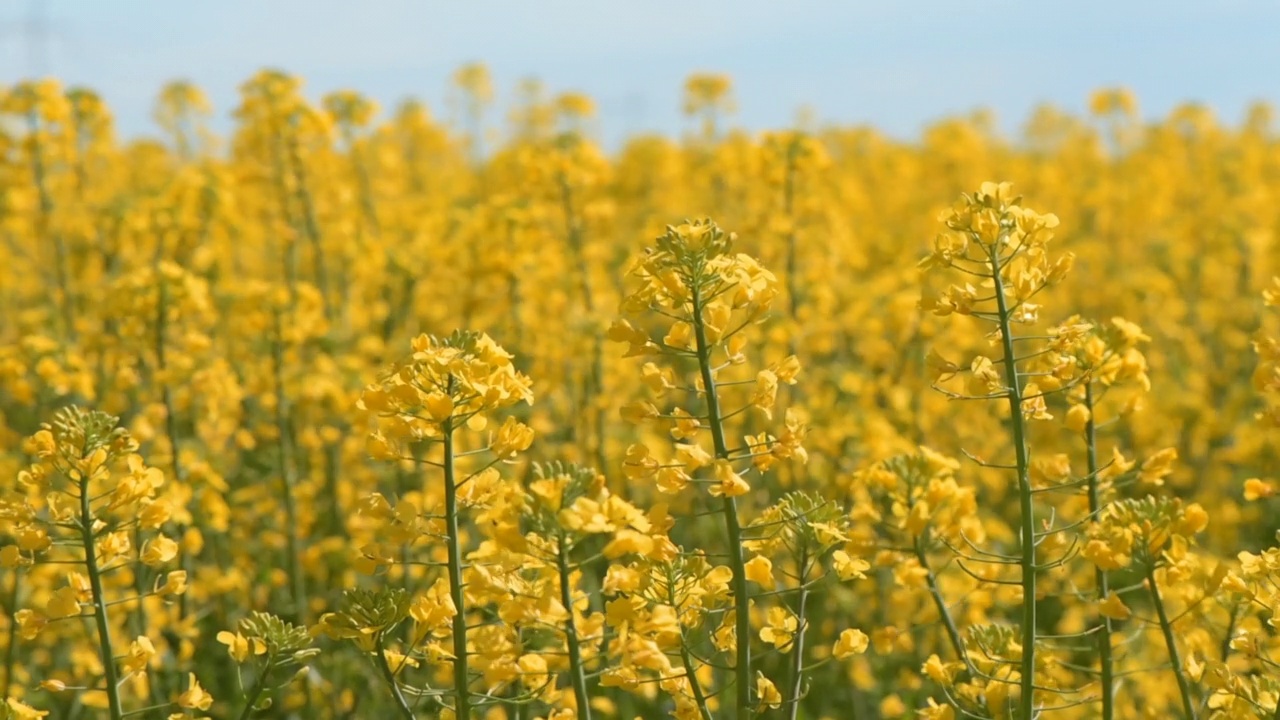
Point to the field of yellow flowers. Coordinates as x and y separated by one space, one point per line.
355 415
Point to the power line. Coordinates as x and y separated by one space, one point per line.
34 31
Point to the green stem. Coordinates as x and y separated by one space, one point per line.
944 612
289 258
686 658
1171 642
310 225
401 703
461 674
577 674
11 645
170 420
288 479
595 380
513 287
1103 582
99 604
1027 523
258 687
694 686
797 658
793 250
742 600
60 260
332 466
367 204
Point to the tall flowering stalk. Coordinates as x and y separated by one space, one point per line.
1108 360
46 113
574 520
704 296
426 406
1153 536
999 249
95 497
272 648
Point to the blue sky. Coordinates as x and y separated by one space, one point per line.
897 65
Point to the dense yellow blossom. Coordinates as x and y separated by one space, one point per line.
356 412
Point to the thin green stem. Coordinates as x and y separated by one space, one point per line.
288 478
694 685
44 224
1171 642
106 650
461 674
309 225
256 693
1103 582
742 600
577 674
171 432
367 204
686 658
289 258
944 611
594 381
11 644
401 703
332 466
1027 523
797 652
793 249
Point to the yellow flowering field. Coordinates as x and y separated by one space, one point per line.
353 413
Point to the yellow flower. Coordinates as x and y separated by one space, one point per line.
1113 607
936 670
22 711
787 370
439 406
433 609
240 647
940 368
767 692
64 603
851 642
1157 467
139 655
893 706
194 697
779 628
934 711
1077 417
158 551
1105 556
759 570
918 519
638 464
847 567
984 379
766 392
33 539
112 546
175 583
1255 489
513 437
11 557
1194 519
728 483
30 623
154 514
